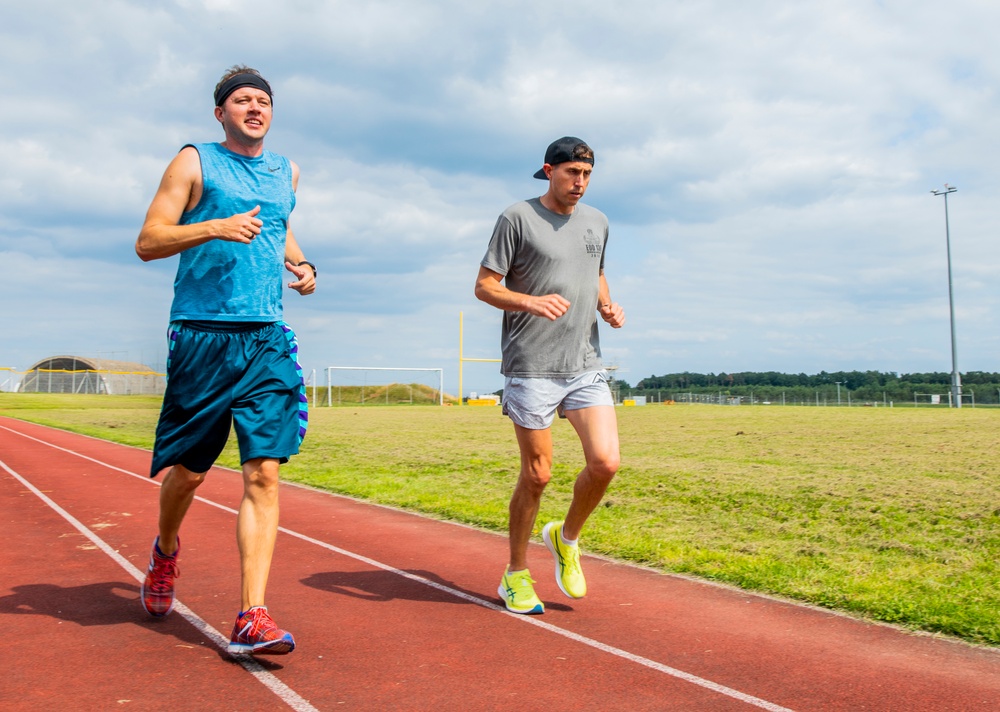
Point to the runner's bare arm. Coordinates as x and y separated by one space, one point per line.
305 277
179 190
610 311
490 289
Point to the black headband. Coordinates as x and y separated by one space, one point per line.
240 80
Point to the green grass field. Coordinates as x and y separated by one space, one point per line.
891 514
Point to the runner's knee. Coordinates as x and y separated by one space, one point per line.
184 479
604 468
536 473
260 474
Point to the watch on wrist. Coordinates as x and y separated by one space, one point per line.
311 266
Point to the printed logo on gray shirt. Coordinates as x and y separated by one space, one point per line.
594 243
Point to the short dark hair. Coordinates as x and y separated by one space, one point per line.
583 152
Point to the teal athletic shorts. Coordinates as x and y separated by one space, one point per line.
224 375
533 403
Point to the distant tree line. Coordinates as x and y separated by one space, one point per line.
854 385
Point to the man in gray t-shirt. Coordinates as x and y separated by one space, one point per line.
545 269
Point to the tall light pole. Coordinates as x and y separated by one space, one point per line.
838 391
956 379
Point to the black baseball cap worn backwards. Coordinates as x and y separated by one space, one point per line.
561 151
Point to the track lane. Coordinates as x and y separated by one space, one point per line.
369 637
69 603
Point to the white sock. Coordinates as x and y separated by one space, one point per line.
568 542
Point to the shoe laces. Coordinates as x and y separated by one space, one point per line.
164 571
520 584
260 620
569 556
572 560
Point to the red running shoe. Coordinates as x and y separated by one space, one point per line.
158 587
256 632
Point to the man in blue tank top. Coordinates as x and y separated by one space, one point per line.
223 208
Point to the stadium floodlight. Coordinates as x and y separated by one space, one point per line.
956 379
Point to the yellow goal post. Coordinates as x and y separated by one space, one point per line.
462 360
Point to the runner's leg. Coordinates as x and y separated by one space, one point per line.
597 428
536 469
257 528
176 495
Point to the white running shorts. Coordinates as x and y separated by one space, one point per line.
533 402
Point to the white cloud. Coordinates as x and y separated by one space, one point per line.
765 167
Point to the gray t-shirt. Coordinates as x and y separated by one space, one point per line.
541 252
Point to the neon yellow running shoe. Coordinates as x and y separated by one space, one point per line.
518 594
569 575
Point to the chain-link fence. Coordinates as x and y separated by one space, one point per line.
72 374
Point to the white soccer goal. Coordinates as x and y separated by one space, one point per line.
381 385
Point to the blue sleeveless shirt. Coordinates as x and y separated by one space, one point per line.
230 281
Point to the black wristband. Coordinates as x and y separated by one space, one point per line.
311 265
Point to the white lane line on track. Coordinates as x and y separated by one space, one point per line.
532 620
266 678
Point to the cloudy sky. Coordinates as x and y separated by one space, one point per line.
766 168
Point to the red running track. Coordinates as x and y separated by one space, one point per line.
393 611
